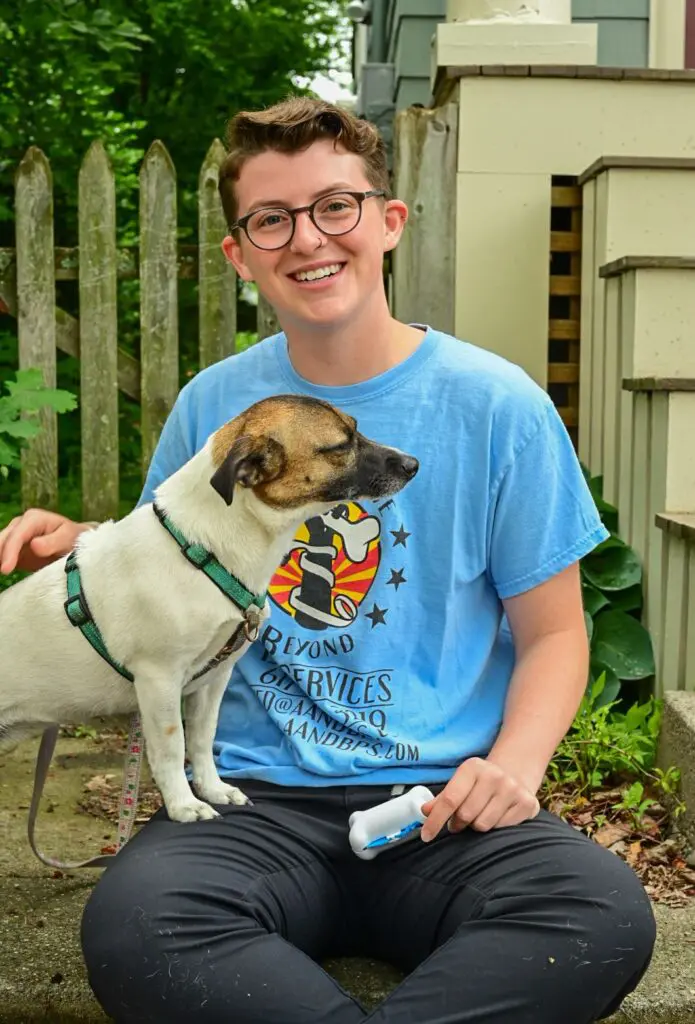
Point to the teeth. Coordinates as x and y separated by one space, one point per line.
316 275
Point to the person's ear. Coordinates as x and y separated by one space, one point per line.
233 251
395 219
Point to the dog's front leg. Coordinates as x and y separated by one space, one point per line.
160 707
202 710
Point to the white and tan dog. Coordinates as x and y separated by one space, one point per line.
161 618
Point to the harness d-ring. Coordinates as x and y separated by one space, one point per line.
252 623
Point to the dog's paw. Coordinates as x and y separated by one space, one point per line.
192 810
222 793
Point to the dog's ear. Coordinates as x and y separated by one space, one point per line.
250 461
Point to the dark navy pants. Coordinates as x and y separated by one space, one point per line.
225 921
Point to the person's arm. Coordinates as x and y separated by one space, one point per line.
542 521
546 688
549 678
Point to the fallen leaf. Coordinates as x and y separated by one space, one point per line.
99 782
609 834
634 851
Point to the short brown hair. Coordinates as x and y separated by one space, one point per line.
291 126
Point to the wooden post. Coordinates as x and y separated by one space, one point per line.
267 322
216 276
36 318
98 335
159 344
425 155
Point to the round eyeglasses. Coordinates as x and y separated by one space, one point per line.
334 214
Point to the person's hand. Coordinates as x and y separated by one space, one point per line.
480 795
36 539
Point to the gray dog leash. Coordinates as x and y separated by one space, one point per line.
78 612
126 807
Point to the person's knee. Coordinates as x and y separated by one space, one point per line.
117 925
618 913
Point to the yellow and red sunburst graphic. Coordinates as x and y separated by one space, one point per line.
339 554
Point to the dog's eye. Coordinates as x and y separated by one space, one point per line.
337 449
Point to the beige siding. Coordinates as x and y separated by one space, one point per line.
535 125
502 266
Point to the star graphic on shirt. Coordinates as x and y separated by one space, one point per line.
397 578
401 535
377 615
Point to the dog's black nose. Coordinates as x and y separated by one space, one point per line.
410 466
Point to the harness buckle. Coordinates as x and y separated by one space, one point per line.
197 555
77 610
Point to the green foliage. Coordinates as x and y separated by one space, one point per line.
605 745
613 737
60 65
131 71
635 802
621 648
27 394
128 72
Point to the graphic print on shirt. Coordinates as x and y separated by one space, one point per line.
310 688
330 569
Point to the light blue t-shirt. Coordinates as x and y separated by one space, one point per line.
386 660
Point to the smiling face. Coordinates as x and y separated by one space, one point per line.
295 452
316 279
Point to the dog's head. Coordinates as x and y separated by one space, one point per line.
295 451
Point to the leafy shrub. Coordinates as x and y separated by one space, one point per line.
605 746
27 394
621 648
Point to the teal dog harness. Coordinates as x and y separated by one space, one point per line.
78 611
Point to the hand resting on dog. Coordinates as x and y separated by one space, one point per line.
37 538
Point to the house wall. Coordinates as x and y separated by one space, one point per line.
623 30
410 25
515 134
631 33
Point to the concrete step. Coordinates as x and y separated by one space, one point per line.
677 746
42 977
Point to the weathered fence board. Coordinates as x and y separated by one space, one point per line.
36 317
159 338
217 278
98 336
267 322
28 276
424 262
67 262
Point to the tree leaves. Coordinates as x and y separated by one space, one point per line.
27 395
131 71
